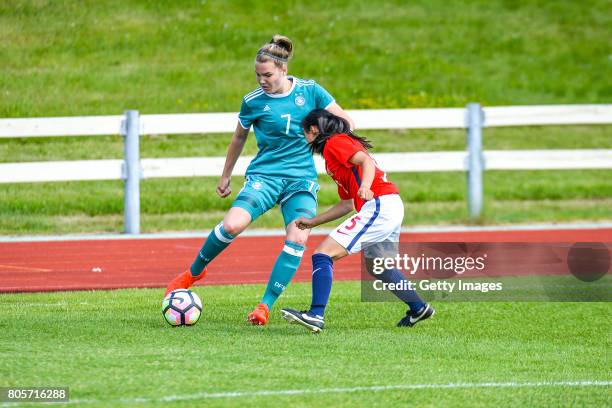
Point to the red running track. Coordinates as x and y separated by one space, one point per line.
151 263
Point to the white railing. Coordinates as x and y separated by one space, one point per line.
472 160
391 162
435 118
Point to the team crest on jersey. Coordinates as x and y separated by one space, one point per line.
256 185
299 100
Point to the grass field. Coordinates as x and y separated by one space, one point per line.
69 57
99 57
114 349
191 204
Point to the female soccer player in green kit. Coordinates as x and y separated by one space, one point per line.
282 172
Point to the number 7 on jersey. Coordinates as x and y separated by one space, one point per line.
288 116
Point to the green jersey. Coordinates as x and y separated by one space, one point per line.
276 120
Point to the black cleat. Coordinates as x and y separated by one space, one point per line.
413 318
312 322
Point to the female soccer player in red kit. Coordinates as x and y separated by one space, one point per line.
380 211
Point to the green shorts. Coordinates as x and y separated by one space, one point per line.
297 198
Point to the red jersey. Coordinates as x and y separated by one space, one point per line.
337 152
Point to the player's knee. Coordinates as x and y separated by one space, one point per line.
322 249
233 227
299 237
331 249
300 240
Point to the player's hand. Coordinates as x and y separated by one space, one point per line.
365 193
223 188
304 223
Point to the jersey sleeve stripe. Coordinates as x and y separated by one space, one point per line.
252 92
253 96
330 104
244 127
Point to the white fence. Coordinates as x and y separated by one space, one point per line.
436 118
391 162
472 159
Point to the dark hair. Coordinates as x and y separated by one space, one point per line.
329 125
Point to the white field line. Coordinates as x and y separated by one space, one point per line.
340 390
25 268
58 304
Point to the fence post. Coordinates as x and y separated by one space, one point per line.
475 159
131 171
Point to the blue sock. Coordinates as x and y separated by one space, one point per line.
410 297
322 276
216 242
284 268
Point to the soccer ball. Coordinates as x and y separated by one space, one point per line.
182 307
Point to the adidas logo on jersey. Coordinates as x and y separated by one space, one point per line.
266 108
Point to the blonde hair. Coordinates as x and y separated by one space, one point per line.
278 50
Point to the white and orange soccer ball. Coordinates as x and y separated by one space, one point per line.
182 307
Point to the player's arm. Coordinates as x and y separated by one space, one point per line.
337 211
368 170
233 152
338 111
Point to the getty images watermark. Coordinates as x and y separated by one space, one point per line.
412 264
477 271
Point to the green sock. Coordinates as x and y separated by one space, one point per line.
216 242
286 264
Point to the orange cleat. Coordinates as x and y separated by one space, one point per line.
259 316
184 281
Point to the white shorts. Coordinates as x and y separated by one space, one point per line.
379 220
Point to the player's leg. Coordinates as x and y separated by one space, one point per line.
235 221
383 240
248 206
322 277
417 309
377 224
299 204
323 260
342 241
